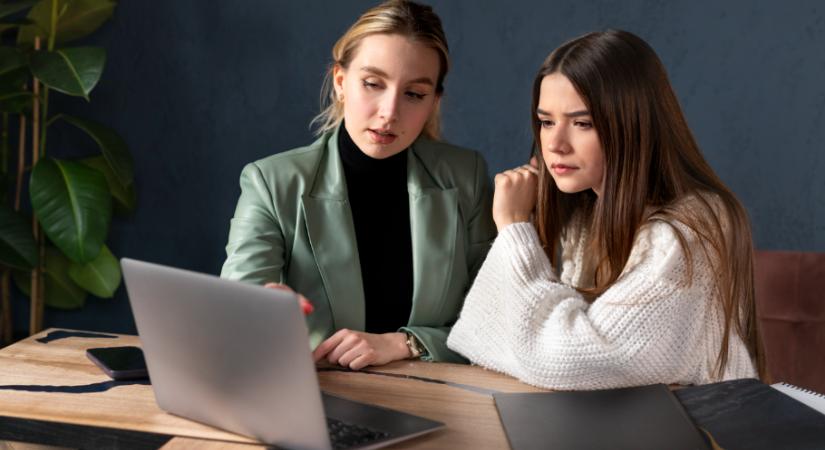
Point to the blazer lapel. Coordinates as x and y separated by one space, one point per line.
433 224
332 237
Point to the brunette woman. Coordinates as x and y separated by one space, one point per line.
622 259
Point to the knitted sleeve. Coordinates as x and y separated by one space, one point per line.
520 319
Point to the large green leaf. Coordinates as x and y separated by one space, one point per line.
76 18
112 146
125 198
14 74
72 71
13 98
14 70
11 60
61 291
101 276
15 102
12 24
9 8
5 27
13 80
73 205
17 246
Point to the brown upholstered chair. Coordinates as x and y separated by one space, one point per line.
790 304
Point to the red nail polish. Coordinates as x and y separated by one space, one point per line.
307 308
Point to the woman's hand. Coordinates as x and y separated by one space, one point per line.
306 305
515 196
356 349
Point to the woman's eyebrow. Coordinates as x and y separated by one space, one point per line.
378 72
374 70
580 113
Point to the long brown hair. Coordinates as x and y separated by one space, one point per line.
652 162
414 21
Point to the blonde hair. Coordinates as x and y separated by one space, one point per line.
409 19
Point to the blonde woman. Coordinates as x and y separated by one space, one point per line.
381 225
622 259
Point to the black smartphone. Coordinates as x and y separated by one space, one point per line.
120 363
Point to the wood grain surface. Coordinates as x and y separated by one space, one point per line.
52 384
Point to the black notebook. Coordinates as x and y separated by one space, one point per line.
638 418
748 414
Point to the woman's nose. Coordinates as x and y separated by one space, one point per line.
388 108
557 142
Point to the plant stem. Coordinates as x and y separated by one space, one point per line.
49 47
5 294
4 148
43 124
21 161
37 314
37 318
37 295
36 117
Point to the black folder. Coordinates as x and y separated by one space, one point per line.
749 414
638 418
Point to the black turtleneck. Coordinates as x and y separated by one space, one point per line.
379 201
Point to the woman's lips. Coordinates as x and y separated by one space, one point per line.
382 137
562 169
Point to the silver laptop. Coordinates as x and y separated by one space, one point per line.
236 356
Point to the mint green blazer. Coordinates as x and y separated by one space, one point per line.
293 225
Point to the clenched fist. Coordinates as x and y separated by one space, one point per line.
515 196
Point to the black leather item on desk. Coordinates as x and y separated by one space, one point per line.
638 418
748 414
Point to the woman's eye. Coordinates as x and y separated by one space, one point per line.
583 124
415 95
545 123
369 84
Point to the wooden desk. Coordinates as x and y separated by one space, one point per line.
50 393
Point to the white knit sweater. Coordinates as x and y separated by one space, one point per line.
651 326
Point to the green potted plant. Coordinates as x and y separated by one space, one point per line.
57 255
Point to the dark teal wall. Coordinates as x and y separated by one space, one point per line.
199 88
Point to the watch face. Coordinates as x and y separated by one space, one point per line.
412 344
415 346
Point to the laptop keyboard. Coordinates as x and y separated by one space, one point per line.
345 435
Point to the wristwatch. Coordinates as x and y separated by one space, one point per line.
416 349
